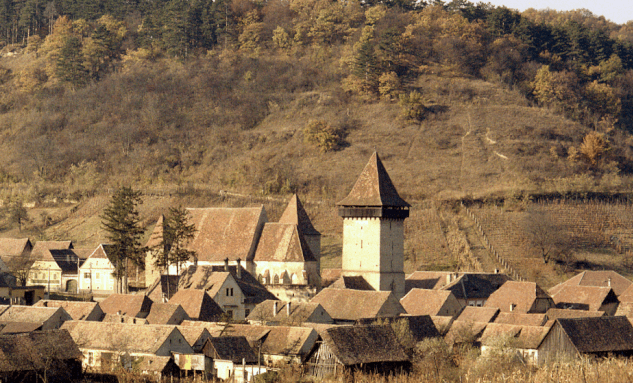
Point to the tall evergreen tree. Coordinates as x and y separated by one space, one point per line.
69 67
178 232
121 221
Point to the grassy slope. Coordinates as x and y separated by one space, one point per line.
479 139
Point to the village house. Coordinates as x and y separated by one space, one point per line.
520 297
371 348
90 311
478 314
590 298
96 273
522 340
431 302
570 338
106 345
166 313
515 318
27 357
48 318
277 345
196 336
554 313
232 357
348 306
15 253
276 313
465 332
19 295
198 305
235 290
474 289
132 305
598 278
158 367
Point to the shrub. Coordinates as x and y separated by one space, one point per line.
593 147
322 135
413 108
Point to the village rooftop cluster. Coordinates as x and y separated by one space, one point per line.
255 300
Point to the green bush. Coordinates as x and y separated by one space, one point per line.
322 135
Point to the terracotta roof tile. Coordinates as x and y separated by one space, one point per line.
430 302
166 313
555 313
478 314
283 242
442 324
521 297
599 334
525 336
36 350
14 246
234 348
374 188
521 319
197 304
300 312
476 285
584 297
127 304
295 214
77 310
31 314
345 304
353 282
464 332
600 278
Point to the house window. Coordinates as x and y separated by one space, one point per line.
97 276
91 357
229 291
87 275
229 313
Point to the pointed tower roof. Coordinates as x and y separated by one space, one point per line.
374 188
295 214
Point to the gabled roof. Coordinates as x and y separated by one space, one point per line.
521 336
442 324
19 327
420 326
76 309
66 259
31 314
601 278
345 304
429 302
295 214
36 350
157 234
41 248
430 280
521 296
353 282
598 335
119 336
330 275
166 284
134 305
521 319
464 332
283 242
163 313
478 314
126 319
276 340
13 247
197 304
476 285
233 348
374 188
101 252
555 313
354 345
300 312
584 297
192 334
226 232
211 278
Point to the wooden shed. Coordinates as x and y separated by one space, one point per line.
372 348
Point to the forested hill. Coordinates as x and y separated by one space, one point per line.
277 96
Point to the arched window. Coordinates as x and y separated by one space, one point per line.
276 279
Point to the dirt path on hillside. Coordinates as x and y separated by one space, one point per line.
477 247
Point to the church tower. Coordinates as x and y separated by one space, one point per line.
373 230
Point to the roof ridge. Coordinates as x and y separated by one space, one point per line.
295 214
374 188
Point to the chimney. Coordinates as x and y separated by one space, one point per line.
609 282
288 308
118 312
512 306
226 264
275 308
239 269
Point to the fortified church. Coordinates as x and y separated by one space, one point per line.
285 255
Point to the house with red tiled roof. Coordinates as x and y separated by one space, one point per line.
14 251
78 310
132 305
198 305
431 302
524 340
95 273
478 314
599 278
521 297
166 313
591 298
346 306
